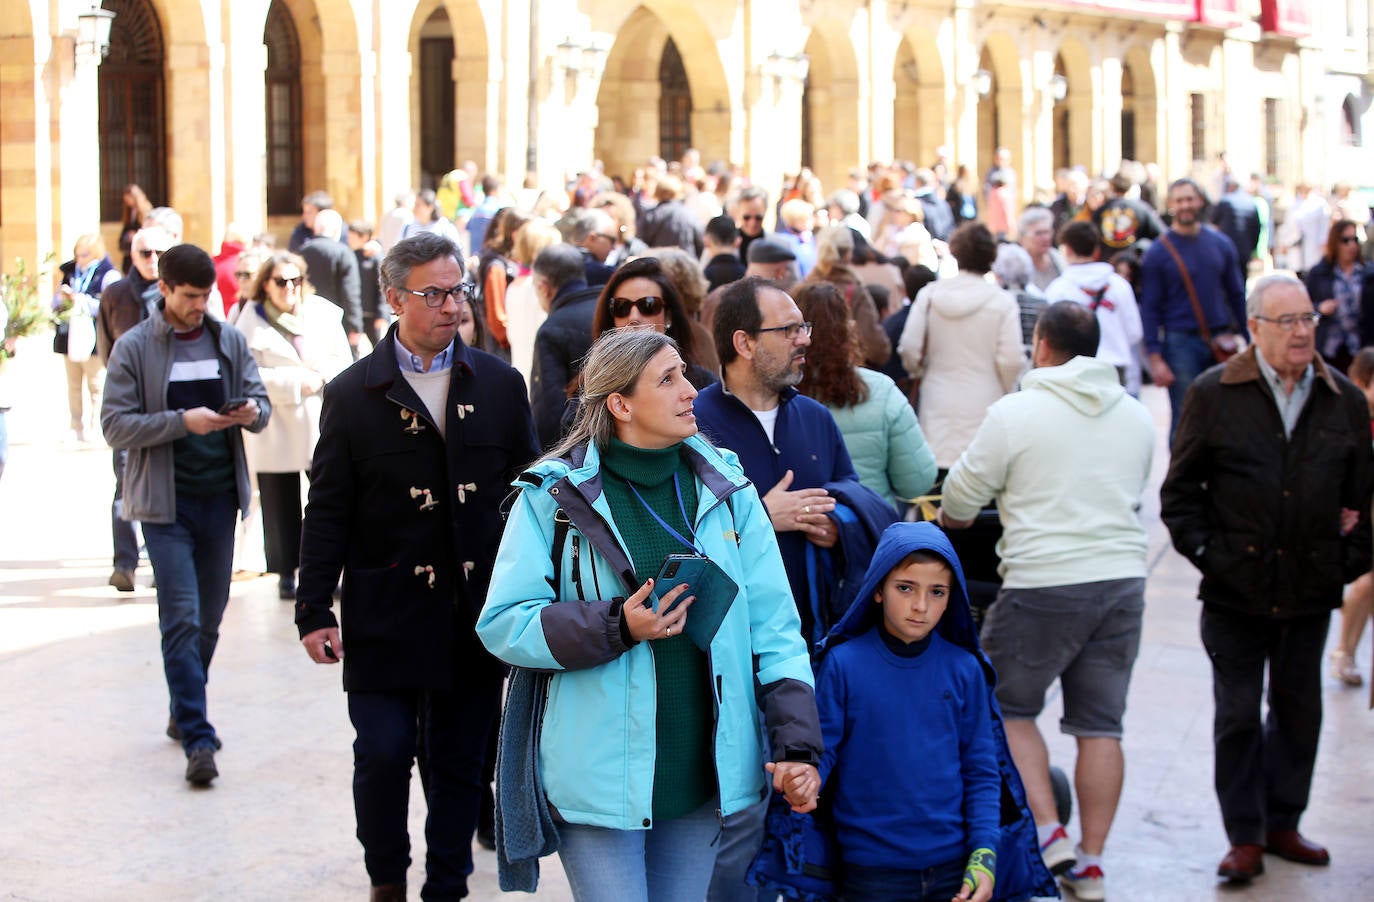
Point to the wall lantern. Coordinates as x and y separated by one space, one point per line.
93 31
982 82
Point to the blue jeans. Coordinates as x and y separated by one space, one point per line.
937 883
192 561
1188 356
125 541
669 863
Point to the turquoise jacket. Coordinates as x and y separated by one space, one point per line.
597 746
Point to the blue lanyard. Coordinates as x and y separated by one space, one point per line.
677 490
83 281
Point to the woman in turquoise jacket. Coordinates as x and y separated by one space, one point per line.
650 735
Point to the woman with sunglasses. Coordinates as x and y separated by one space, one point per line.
1336 283
298 342
650 734
641 294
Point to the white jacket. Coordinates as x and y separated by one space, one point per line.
288 442
1118 316
973 357
1067 459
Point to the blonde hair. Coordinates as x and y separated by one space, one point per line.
834 247
533 238
612 367
683 270
796 213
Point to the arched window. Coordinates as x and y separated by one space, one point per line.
437 131
285 178
132 129
1128 148
674 105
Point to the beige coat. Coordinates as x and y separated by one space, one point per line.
972 357
288 442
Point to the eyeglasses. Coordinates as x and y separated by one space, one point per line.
434 297
1290 321
293 282
649 306
148 253
751 217
790 331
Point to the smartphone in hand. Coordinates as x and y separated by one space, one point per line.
712 587
232 405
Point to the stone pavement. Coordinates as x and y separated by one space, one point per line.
93 804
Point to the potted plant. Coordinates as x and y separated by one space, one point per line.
25 313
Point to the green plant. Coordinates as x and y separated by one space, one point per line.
27 311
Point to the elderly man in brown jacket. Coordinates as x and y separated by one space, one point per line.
1268 494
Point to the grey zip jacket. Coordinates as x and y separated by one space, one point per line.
134 415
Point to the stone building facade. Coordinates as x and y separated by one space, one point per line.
229 111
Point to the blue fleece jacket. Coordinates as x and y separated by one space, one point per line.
910 755
806 441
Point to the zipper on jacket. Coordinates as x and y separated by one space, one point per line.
577 567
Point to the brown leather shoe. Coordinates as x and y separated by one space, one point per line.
1290 846
391 892
1242 864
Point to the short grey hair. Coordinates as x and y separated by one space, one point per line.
1254 302
589 221
329 224
1013 266
844 200
417 250
1035 216
559 265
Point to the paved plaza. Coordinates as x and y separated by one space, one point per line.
93 804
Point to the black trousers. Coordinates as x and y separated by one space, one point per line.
280 496
1264 767
453 740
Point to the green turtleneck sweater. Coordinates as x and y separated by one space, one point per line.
684 778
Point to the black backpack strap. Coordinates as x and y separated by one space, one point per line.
560 535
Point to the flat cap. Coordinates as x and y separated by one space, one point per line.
770 250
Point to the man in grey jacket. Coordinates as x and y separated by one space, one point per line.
180 387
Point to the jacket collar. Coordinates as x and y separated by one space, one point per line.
382 368
1245 368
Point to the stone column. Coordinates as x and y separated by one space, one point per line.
26 227
195 186
343 175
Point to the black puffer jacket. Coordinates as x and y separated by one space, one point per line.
1258 513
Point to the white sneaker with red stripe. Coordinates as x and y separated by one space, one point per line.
1058 852
1088 884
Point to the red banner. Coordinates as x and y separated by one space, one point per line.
1219 13
1287 17
1165 9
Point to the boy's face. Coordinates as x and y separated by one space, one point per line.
913 598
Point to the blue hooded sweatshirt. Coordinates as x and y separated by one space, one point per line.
800 854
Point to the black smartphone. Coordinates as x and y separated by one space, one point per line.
232 405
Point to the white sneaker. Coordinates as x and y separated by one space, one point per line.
1088 885
1058 852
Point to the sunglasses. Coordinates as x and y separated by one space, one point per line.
649 306
148 253
294 282
749 217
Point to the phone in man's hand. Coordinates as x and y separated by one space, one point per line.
232 405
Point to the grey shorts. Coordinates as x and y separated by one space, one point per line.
1086 635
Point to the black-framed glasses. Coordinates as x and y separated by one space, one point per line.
1290 321
790 330
434 297
650 305
292 282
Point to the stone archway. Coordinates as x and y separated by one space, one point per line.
331 100
1140 107
831 100
22 204
1002 113
1073 116
918 112
628 129
456 75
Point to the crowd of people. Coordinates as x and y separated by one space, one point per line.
670 383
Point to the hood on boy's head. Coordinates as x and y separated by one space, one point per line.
899 540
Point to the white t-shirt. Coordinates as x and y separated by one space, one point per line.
768 419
